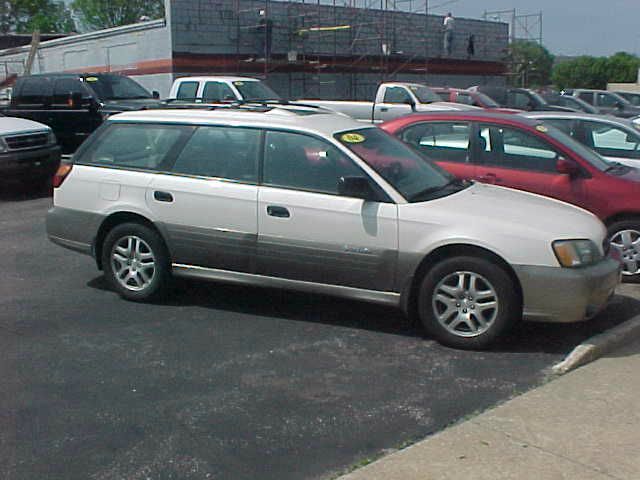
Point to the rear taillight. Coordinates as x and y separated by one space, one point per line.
63 171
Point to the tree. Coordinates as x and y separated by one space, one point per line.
25 16
98 14
596 72
531 64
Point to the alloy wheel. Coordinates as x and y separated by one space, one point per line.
133 263
465 304
627 242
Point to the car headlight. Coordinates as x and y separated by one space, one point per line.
576 253
51 138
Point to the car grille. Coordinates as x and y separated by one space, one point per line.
22 142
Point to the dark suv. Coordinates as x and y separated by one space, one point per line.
608 103
520 98
75 104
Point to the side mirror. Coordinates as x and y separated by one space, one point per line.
411 102
155 94
567 167
357 187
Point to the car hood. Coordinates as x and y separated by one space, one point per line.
517 225
10 125
129 105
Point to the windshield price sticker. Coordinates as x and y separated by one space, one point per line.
353 138
238 84
542 128
91 79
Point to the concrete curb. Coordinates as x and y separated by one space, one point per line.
599 345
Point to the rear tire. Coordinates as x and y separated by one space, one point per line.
468 302
136 262
624 236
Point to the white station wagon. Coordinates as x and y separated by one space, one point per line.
297 199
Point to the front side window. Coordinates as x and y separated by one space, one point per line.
217 92
138 146
464 98
607 100
221 152
520 100
508 147
611 141
396 95
413 176
301 162
446 141
64 88
116 87
424 94
187 91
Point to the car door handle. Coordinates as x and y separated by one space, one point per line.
163 196
489 178
384 109
276 211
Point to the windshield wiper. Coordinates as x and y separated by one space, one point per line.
429 190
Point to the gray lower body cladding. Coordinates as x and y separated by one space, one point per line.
564 295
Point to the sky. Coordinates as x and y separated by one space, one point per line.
570 27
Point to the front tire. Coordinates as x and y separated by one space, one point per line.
468 302
136 262
625 238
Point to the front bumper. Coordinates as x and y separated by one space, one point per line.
34 163
564 295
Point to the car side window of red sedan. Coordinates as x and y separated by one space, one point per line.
440 141
513 148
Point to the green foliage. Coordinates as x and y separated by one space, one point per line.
25 16
596 72
531 64
97 14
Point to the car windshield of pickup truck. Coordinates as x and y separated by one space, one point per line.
255 91
424 94
116 87
413 176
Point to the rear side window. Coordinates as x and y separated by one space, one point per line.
446 141
563 124
465 98
217 92
221 152
137 146
35 91
606 100
187 91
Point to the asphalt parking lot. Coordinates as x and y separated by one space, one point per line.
225 382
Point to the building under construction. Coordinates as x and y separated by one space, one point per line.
304 48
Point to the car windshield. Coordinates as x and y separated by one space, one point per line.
538 98
424 94
116 87
255 91
487 101
413 176
586 153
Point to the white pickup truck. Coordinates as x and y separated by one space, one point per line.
216 89
393 99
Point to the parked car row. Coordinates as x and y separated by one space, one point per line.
311 195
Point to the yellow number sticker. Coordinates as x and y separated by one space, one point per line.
238 84
542 128
91 79
353 138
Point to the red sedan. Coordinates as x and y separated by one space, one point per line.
522 153
466 97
